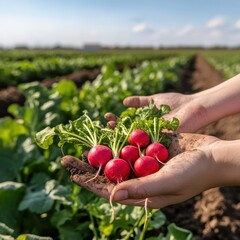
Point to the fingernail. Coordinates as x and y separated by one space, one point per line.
120 195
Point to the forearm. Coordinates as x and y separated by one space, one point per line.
226 154
222 100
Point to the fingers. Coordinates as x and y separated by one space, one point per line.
112 120
139 188
110 116
155 202
112 124
81 172
137 101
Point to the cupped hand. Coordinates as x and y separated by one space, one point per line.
190 170
192 115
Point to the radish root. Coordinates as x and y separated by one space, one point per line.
98 172
111 204
159 160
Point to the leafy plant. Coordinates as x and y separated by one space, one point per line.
36 195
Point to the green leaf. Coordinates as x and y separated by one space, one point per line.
10 130
11 193
38 181
79 230
44 138
165 109
60 218
37 202
57 192
177 233
106 228
129 112
156 220
66 88
5 230
174 124
42 200
6 237
10 164
32 237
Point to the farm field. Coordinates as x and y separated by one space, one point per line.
44 88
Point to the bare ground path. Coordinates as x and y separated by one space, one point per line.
214 214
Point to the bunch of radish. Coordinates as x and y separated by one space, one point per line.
131 157
136 147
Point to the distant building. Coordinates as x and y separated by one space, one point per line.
91 47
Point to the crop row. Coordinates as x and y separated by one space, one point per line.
36 195
228 64
14 72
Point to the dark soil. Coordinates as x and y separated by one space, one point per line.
8 96
79 78
11 95
214 214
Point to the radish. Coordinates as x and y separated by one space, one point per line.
98 157
130 153
158 151
139 138
117 170
145 165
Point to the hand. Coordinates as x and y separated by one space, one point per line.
186 108
190 171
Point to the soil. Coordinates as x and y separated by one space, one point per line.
11 95
79 78
214 214
8 96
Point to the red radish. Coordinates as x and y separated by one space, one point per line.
158 151
146 165
98 157
130 153
139 138
117 170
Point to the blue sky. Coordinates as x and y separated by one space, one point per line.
119 23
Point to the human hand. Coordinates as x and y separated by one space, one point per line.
190 170
191 114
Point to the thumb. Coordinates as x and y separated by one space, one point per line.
137 101
138 188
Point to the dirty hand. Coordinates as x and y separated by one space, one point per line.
191 170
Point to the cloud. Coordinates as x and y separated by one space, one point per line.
216 22
185 30
237 24
141 28
215 34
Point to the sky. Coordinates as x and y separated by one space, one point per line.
47 23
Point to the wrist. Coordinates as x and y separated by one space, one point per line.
226 155
220 101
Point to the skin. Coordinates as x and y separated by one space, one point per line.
197 162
